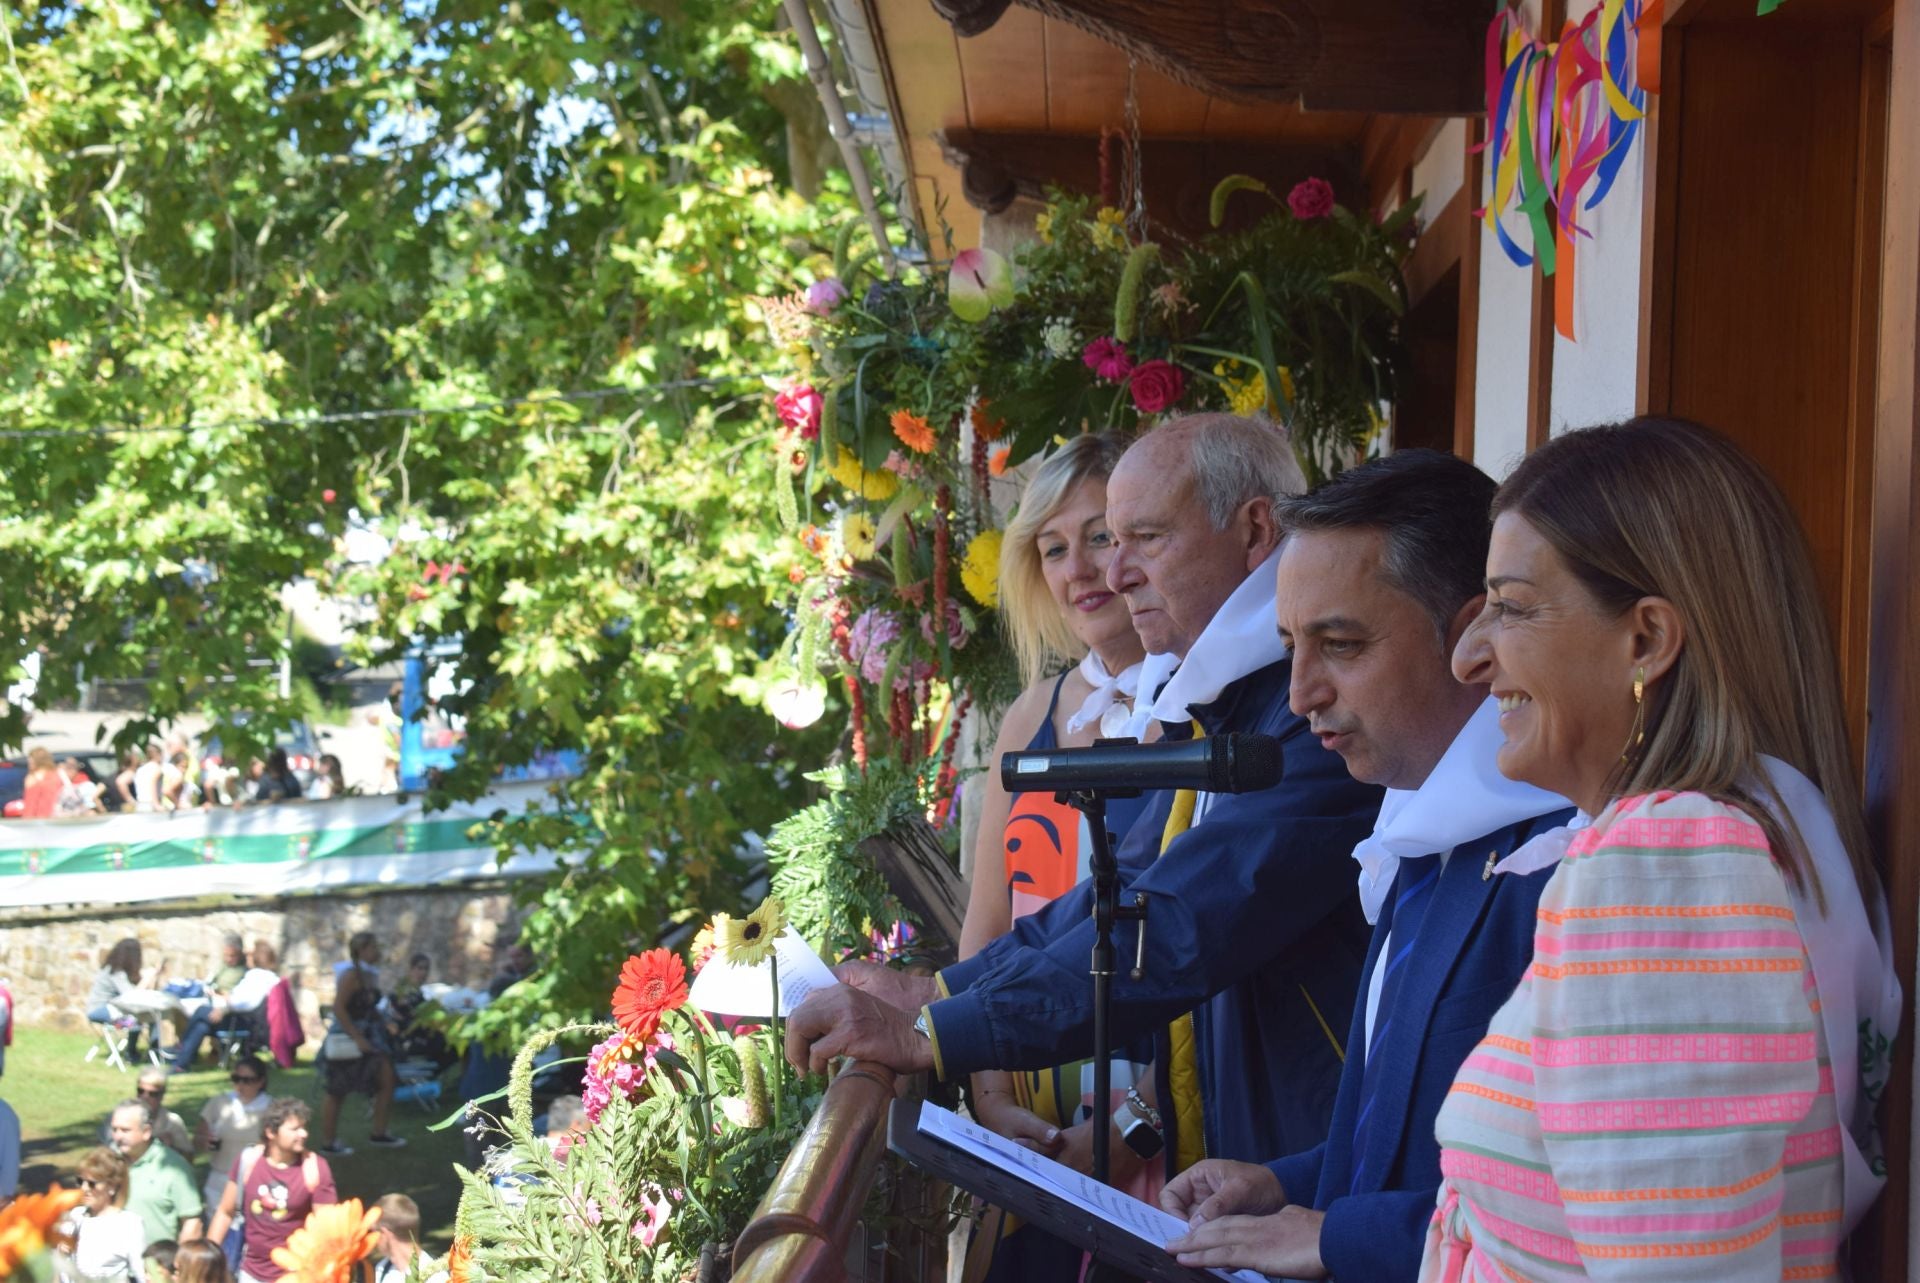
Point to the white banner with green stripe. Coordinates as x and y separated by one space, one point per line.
258 850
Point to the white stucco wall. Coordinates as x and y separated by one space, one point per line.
1439 174
1595 377
1500 361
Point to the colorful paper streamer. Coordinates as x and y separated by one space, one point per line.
1561 121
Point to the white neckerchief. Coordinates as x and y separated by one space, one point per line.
1851 950
1241 638
1111 700
1154 672
1463 797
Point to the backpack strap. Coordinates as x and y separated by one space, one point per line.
249 1159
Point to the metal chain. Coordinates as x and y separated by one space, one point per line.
1136 181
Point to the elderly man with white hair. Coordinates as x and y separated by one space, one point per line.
1255 939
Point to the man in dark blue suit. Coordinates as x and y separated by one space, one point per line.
1256 932
1380 574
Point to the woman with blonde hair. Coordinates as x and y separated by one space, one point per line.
1082 661
1678 1088
108 1240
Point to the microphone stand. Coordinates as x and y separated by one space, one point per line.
1107 910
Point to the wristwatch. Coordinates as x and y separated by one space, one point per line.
1139 1125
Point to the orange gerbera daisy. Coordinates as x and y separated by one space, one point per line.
997 461
28 1222
914 432
330 1246
651 984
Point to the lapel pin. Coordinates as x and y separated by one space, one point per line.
1486 874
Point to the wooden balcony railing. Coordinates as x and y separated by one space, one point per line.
804 1225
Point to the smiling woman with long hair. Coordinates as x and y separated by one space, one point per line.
1675 1090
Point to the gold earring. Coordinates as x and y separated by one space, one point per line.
1639 735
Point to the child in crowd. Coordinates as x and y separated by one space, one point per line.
201 1262
399 1228
158 1261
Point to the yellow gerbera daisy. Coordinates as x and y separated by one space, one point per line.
876 486
980 568
748 941
859 536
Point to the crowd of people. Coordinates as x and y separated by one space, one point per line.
162 779
167 1198
1554 951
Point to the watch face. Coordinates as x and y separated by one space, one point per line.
1142 1139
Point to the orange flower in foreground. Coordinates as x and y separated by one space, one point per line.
334 1240
988 429
651 984
997 461
914 432
28 1222
460 1260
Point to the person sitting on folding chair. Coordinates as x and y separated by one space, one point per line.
119 977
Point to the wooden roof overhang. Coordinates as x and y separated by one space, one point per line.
993 101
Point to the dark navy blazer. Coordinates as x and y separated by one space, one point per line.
1475 943
1254 927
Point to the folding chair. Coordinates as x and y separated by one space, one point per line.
113 1033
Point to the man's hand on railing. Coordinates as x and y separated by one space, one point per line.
845 1021
893 987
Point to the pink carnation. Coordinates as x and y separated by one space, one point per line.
824 296
1311 199
1108 358
868 641
799 409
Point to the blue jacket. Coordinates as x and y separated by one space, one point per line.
1254 926
1474 945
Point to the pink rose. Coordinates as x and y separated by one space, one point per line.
824 296
1311 199
956 627
1156 386
1108 358
799 409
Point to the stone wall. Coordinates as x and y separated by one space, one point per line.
48 959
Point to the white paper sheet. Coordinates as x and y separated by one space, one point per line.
728 990
1115 1208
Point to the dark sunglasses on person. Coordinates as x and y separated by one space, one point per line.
86 1183
155 1092
245 1078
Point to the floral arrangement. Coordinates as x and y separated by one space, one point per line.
688 1116
910 396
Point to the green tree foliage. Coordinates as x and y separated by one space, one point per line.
216 213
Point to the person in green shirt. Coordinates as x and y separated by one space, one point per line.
161 1189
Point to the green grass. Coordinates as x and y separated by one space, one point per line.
62 1100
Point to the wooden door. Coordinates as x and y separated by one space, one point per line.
1764 296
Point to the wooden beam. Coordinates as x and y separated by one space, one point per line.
1467 354
1330 55
1180 174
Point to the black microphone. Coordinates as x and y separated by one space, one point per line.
1216 764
